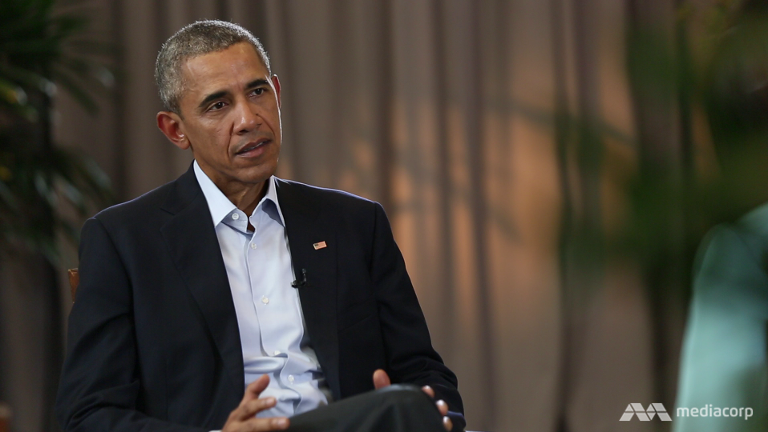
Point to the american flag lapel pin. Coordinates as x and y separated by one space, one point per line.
319 245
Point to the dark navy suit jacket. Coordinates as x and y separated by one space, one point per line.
153 341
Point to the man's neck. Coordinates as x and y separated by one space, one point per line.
245 197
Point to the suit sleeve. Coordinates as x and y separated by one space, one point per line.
99 388
410 356
724 350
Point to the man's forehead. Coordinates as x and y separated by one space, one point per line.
240 62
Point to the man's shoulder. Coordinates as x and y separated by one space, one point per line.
329 206
139 208
326 197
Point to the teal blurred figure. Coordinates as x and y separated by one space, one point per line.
724 360
724 351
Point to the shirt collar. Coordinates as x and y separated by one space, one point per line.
220 206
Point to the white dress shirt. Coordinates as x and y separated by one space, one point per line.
272 330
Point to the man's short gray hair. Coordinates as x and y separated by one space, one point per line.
196 39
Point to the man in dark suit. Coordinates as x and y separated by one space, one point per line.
229 299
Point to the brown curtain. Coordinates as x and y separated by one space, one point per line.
442 110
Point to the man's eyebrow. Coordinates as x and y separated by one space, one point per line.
213 96
257 83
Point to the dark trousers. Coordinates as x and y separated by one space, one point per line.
397 408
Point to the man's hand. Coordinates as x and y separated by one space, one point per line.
243 419
381 379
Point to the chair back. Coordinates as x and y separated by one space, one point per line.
5 418
74 281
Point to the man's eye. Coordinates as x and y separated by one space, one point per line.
216 106
259 91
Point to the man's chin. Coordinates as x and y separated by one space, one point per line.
259 173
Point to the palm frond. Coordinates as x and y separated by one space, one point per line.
39 52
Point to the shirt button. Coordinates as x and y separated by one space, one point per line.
290 379
235 216
264 299
253 245
277 352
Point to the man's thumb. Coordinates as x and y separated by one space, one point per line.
380 379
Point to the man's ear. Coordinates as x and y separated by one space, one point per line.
276 84
173 128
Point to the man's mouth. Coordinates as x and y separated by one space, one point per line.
254 148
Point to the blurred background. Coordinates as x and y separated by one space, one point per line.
548 168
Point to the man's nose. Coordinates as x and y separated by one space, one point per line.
248 118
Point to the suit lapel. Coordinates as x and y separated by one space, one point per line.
192 243
318 296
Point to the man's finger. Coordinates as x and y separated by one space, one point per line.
254 424
248 409
447 423
442 407
280 422
265 424
251 408
255 388
428 390
243 418
380 379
